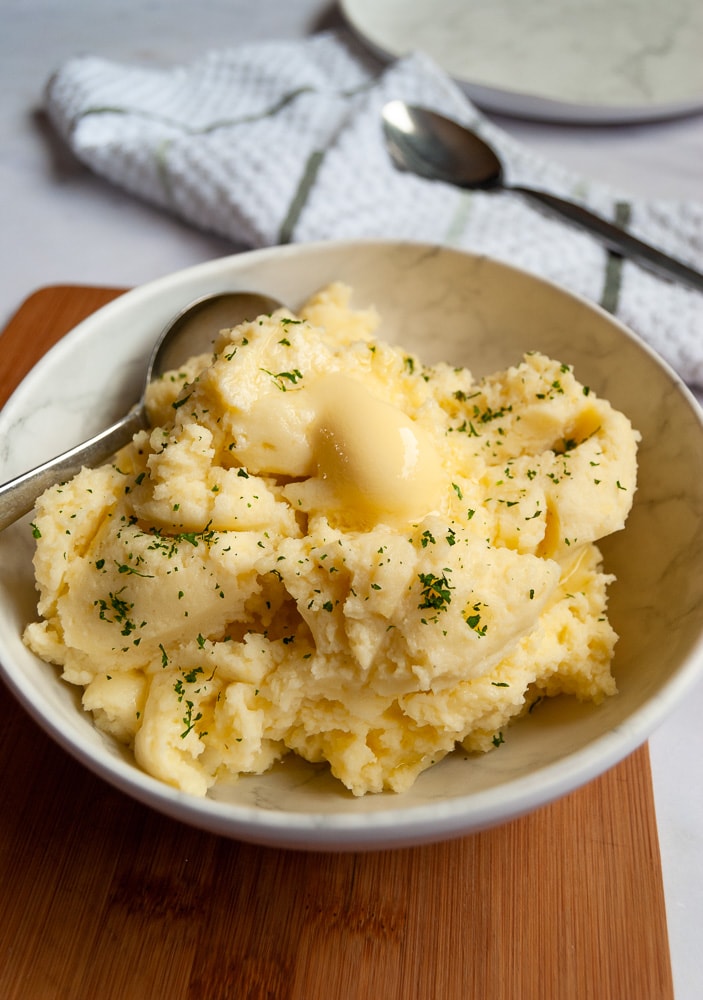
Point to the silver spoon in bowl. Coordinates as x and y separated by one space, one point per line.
427 143
192 331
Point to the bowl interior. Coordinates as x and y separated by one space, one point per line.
444 305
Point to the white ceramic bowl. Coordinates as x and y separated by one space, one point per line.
443 305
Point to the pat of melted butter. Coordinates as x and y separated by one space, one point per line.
377 463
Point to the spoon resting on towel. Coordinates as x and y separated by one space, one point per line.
427 143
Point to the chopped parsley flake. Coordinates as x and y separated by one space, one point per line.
280 378
436 591
473 620
178 403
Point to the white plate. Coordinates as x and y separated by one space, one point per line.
442 304
591 61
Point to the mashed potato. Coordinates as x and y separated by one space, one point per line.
325 546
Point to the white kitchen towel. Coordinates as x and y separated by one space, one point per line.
282 141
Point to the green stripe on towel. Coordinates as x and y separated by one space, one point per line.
613 268
459 220
285 234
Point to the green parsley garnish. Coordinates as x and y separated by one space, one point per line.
280 378
436 591
177 404
426 539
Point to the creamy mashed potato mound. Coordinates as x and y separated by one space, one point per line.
325 546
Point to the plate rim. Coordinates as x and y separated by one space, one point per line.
525 104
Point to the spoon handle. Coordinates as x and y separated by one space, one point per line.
617 239
18 496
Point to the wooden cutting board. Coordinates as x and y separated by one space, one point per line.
101 897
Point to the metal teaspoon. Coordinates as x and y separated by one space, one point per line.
189 333
429 144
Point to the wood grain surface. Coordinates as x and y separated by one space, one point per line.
103 898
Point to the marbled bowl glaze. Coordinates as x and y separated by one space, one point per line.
443 305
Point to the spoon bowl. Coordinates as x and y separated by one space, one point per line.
438 148
190 332
193 330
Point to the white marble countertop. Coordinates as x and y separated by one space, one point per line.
61 224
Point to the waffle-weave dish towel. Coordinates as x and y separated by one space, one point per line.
282 141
